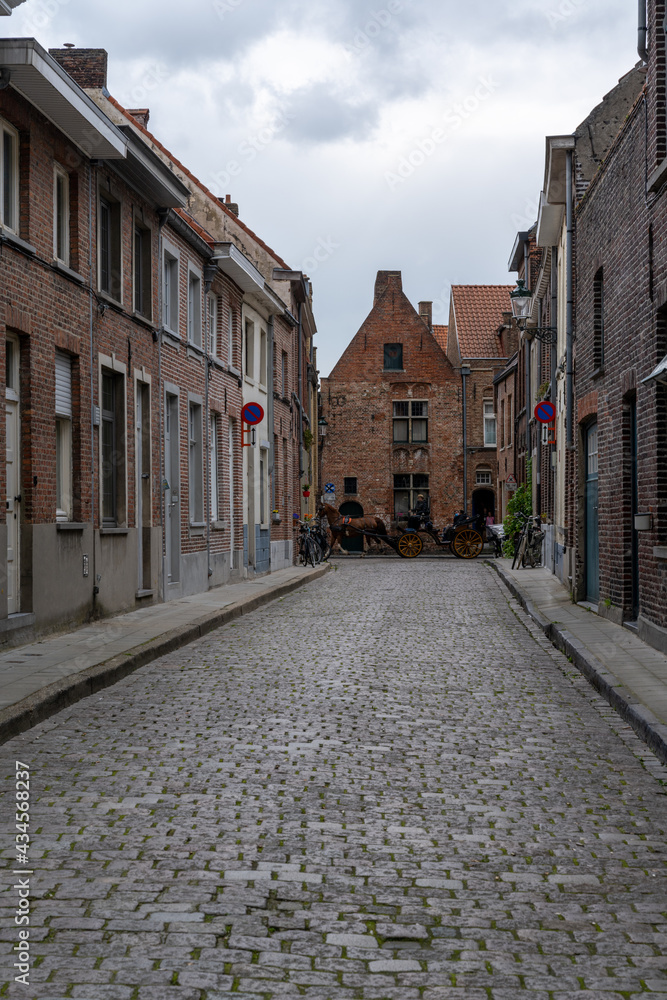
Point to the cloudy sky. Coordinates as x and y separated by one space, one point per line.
357 135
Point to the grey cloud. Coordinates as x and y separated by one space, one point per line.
317 115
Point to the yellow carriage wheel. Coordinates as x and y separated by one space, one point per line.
410 545
467 543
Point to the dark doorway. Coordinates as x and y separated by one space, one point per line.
352 509
483 499
635 504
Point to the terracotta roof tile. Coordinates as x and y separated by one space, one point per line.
440 334
478 312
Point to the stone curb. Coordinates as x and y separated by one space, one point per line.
634 712
55 697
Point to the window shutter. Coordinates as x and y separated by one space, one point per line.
63 385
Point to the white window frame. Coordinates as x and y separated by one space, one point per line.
489 417
264 487
118 370
171 299
263 358
11 223
194 307
115 206
249 349
61 214
230 336
63 429
410 419
145 269
483 477
212 324
195 463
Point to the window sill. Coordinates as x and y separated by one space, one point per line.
140 594
170 335
114 531
9 237
70 526
250 381
194 350
598 373
393 371
658 177
67 272
234 371
108 300
219 525
144 320
660 551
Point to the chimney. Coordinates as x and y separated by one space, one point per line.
87 67
141 114
426 313
230 205
385 280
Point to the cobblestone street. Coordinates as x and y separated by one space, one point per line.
380 787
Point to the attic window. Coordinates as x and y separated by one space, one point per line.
393 357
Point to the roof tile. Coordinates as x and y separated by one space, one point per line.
478 310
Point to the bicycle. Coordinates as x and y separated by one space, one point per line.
528 544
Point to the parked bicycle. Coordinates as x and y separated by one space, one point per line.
528 544
314 544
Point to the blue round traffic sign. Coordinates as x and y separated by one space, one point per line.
545 412
252 413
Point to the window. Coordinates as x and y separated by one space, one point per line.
212 324
489 424
502 423
61 215
598 320
283 374
483 477
262 358
406 490
63 408
510 422
350 485
263 485
250 349
9 177
170 318
113 449
194 308
393 357
410 422
143 300
195 464
230 336
213 467
109 247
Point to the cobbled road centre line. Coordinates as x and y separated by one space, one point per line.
382 787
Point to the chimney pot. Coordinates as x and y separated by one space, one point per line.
426 313
141 114
87 67
385 280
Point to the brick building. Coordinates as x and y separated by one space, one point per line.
476 341
393 407
620 404
126 325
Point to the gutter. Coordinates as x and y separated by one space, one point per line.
642 31
569 369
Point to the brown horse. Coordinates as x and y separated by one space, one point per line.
349 527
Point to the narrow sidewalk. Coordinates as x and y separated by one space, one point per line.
42 678
629 673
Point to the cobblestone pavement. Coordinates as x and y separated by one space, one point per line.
382 787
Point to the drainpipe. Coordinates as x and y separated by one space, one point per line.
209 274
641 32
554 365
162 218
270 412
538 474
300 350
569 310
91 296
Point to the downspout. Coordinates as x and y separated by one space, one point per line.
641 32
538 473
554 366
465 371
91 296
209 274
162 218
270 414
300 350
569 309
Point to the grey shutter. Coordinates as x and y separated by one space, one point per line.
63 385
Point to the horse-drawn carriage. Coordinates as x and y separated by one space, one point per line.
464 538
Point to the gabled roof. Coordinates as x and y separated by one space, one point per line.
478 312
7 6
440 334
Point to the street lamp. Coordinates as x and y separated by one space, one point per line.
322 424
522 302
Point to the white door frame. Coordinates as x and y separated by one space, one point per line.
13 474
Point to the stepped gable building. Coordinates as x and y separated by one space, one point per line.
477 338
393 408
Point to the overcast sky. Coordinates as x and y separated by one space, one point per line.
358 136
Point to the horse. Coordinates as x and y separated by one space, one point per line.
349 527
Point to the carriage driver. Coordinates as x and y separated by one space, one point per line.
422 509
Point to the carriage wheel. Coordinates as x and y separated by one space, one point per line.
467 543
410 545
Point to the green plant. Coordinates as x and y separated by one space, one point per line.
543 391
521 502
307 439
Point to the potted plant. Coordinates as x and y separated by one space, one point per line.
306 490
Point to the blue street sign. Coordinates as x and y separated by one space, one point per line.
329 488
